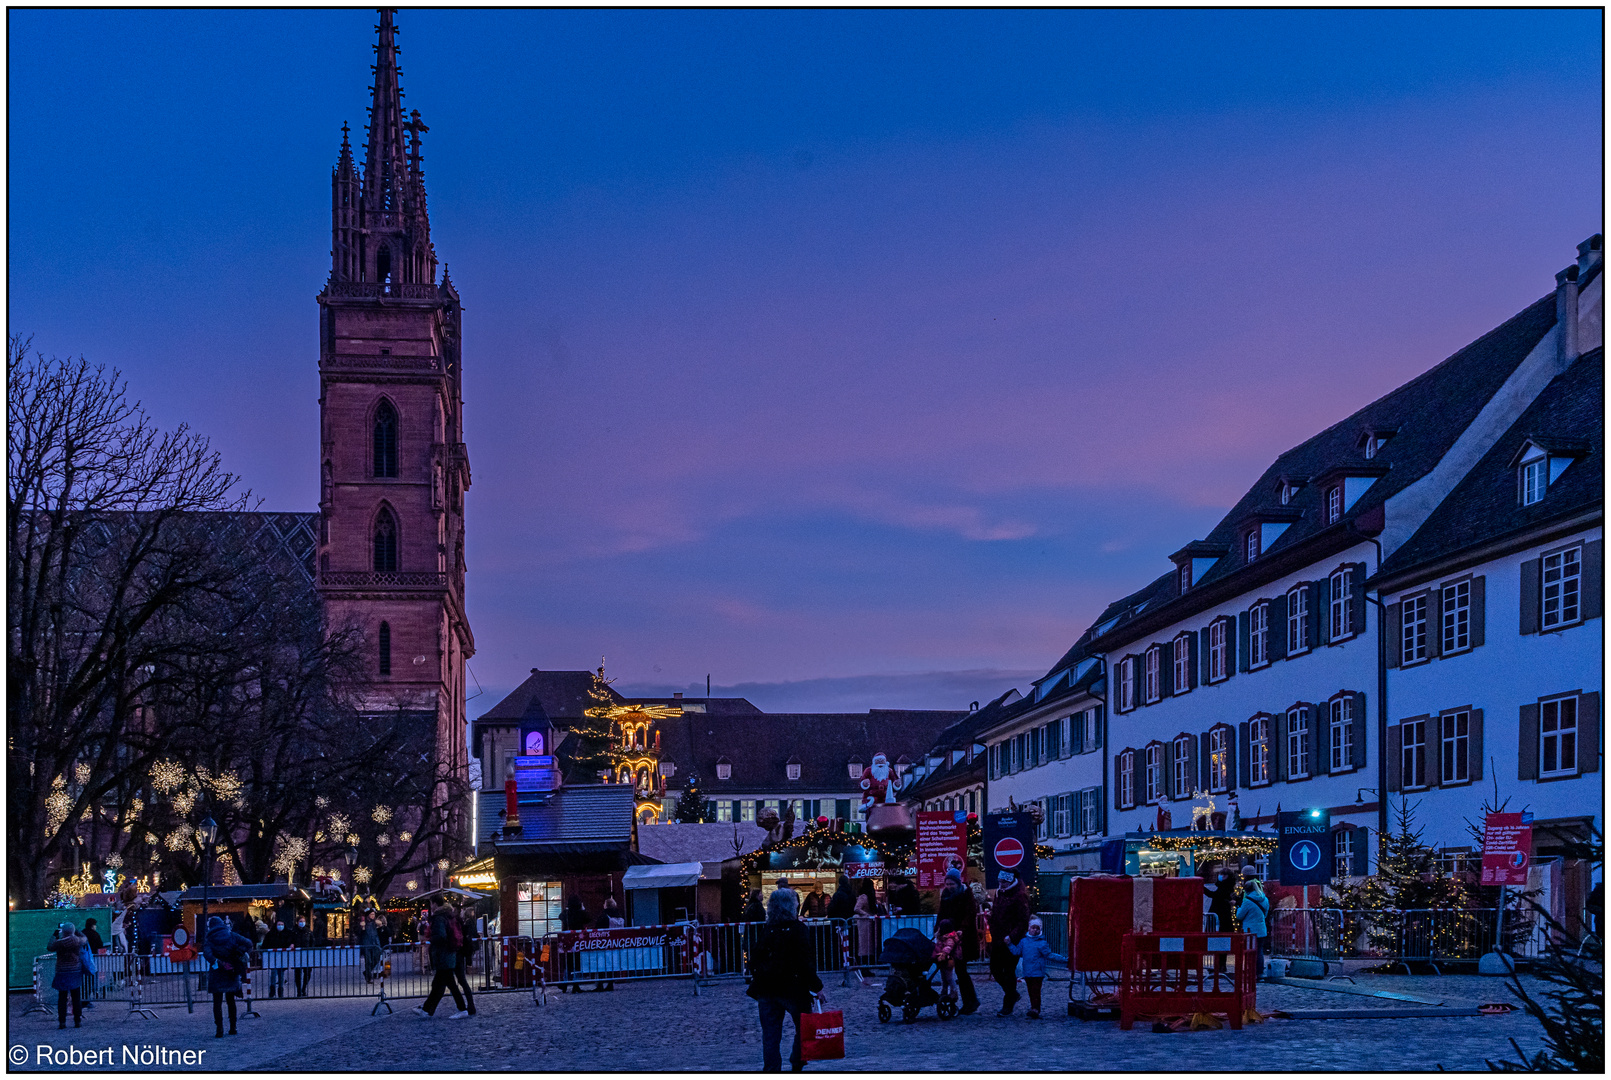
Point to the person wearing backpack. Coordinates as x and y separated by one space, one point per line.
467 943
68 945
227 952
446 940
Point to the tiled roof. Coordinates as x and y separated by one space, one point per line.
594 815
706 842
718 706
759 747
564 695
1484 505
1428 414
962 735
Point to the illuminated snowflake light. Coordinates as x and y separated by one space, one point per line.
153 839
114 860
167 775
412 885
361 875
226 785
406 837
185 801
352 839
82 772
340 825
179 838
442 864
58 804
292 850
318 837
381 814
383 839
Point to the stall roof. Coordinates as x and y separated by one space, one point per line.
661 876
583 816
216 893
704 842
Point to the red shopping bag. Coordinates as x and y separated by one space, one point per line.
822 1035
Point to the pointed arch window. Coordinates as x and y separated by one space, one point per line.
385 648
385 540
383 264
385 439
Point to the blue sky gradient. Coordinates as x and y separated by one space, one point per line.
805 346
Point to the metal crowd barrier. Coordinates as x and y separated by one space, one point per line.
1417 934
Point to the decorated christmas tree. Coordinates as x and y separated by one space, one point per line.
1399 899
593 746
691 803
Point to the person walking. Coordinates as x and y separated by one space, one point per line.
302 938
468 938
1254 915
369 945
227 952
444 940
68 945
957 905
1009 923
1034 950
93 946
277 940
785 978
609 919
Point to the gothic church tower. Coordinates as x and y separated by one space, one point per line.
393 463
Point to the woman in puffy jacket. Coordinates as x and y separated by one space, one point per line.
67 944
1254 915
1035 950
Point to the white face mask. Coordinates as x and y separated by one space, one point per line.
279 926
299 922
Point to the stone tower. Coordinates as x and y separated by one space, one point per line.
393 464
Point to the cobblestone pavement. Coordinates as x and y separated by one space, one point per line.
662 1026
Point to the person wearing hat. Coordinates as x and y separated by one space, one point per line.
1009 924
958 905
1254 915
228 953
1035 951
68 945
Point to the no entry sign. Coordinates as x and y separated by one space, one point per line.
1009 846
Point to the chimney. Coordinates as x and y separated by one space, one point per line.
1566 315
677 696
1589 256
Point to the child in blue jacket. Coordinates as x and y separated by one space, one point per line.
1035 952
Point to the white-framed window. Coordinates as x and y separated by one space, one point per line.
1455 764
1456 617
1219 759
1563 581
1370 447
1258 758
1182 664
1060 816
746 810
1185 575
1412 752
1342 853
1127 681
1089 822
1287 491
1155 776
1258 637
1252 544
1182 766
1217 631
1297 748
1334 505
1534 480
1557 737
538 907
724 809
1151 677
1342 591
1297 620
1126 778
1342 733
792 769
1412 636
1093 737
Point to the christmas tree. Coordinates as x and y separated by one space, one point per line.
593 747
691 803
1399 898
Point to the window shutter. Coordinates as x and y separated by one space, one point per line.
1434 750
1527 744
1118 763
1137 769
1076 733
1232 657
1479 610
1361 866
1191 763
1356 599
1394 755
1588 731
1434 621
1395 633
1203 637
1137 680
1191 659
1474 757
1278 747
1244 743
1322 610
1593 552
1096 728
1166 669
1319 738
1101 812
1204 755
1276 616
1530 571
1316 607
1230 757
1361 725
1244 629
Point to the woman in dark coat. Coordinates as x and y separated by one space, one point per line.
784 978
843 903
227 952
67 944
958 905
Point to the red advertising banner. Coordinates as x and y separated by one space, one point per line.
942 842
1506 846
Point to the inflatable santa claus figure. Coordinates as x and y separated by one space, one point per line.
878 783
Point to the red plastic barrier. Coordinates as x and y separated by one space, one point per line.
1101 910
1179 974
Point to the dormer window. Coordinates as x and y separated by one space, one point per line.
854 769
1371 444
724 769
1334 505
1252 544
1185 576
1540 462
1371 440
1534 480
1286 493
792 768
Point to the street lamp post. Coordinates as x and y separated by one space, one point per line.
351 855
209 837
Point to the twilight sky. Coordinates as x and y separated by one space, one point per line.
855 358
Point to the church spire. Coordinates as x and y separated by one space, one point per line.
386 174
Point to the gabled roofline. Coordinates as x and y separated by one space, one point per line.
1493 547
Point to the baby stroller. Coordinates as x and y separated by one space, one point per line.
910 956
